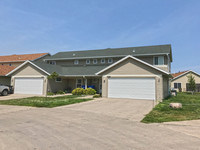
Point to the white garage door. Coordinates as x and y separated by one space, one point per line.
135 88
29 86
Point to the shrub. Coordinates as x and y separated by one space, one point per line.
78 91
96 96
50 93
90 91
60 92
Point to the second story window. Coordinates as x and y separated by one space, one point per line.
10 64
76 62
158 60
88 61
103 60
52 62
110 60
94 61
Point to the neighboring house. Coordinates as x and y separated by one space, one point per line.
180 81
10 62
134 72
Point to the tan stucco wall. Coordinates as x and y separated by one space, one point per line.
132 68
30 71
5 80
184 80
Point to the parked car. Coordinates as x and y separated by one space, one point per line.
5 90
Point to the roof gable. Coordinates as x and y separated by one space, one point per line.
27 62
129 56
183 73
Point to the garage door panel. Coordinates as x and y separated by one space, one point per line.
135 88
29 86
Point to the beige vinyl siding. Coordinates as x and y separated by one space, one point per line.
149 59
83 62
66 83
165 87
164 67
5 80
184 80
133 68
54 86
28 70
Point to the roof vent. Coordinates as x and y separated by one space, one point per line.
133 51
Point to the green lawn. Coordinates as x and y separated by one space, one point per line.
163 113
45 101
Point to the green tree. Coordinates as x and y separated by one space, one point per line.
54 75
191 83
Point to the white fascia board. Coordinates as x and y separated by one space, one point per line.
104 56
25 64
129 56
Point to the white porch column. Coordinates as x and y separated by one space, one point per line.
85 83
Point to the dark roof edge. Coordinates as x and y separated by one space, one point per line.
113 48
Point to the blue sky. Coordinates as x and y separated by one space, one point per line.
60 25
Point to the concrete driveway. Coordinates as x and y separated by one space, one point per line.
102 124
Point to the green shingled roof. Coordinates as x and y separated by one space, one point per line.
134 51
70 70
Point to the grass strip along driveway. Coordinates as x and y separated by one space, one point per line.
45 101
163 113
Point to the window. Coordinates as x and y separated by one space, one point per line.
177 85
78 83
10 64
110 60
88 61
52 62
76 62
103 60
94 61
58 79
158 60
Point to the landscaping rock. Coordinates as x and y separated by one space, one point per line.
175 105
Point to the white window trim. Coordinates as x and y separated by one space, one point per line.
57 80
110 61
77 82
94 62
87 62
76 62
104 60
158 58
177 84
